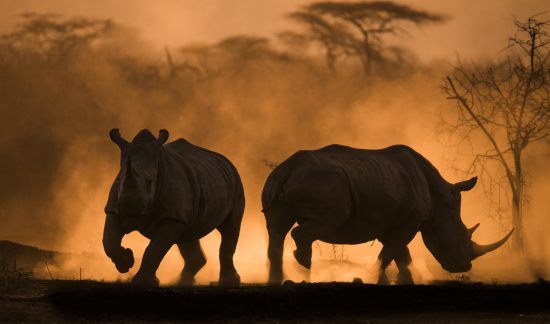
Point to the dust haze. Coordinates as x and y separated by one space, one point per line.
240 93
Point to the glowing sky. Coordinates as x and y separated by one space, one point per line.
475 27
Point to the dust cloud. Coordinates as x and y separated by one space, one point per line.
244 97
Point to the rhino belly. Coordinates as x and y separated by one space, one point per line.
356 230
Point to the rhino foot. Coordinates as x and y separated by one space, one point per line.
275 278
230 280
145 281
186 279
124 261
383 279
405 278
303 257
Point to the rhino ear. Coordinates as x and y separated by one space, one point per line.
163 137
465 185
114 134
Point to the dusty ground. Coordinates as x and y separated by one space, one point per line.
83 301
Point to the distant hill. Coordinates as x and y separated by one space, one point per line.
45 263
26 257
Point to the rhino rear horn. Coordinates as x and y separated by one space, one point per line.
472 229
465 185
114 134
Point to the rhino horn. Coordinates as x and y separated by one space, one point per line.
472 229
479 250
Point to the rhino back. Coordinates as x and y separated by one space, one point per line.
388 185
385 186
198 187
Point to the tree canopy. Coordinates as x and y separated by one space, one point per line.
358 29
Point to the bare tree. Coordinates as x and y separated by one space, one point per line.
358 29
508 103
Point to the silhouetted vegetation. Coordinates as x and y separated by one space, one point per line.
359 29
508 102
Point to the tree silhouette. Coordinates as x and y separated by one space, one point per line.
50 38
509 104
332 37
358 29
229 57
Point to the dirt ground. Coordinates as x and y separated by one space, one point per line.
84 301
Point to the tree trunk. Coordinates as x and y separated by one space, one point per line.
366 55
331 60
517 204
517 222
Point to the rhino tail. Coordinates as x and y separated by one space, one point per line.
274 186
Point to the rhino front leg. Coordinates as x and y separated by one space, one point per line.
112 239
162 240
194 261
395 248
403 260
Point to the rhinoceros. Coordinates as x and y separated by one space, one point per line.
343 195
172 193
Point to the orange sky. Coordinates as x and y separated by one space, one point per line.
476 27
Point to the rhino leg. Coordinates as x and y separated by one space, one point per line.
384 260
166 235
395 248
194 261
304 235
229 231
275 255
402 259
279 224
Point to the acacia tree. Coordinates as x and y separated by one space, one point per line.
358 29
51 38
508 103
332 37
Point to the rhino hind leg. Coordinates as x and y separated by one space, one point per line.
275 255
194 258
384 260
279 222
229 231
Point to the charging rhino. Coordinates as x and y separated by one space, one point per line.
172 194
342 195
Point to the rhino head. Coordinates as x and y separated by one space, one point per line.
446 236
138 171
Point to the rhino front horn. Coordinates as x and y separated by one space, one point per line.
479 250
